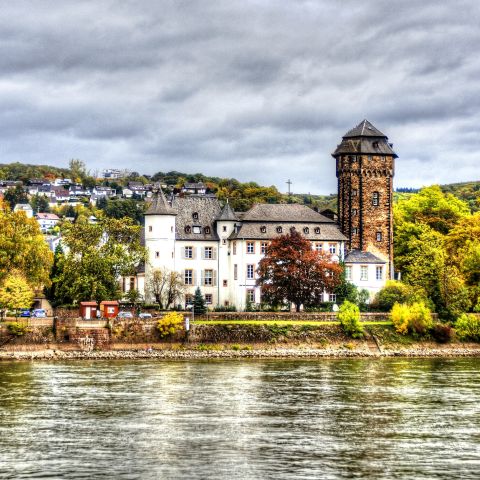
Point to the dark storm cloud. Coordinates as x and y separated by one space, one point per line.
260 90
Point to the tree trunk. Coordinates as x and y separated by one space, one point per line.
297 307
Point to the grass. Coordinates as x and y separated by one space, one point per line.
277 322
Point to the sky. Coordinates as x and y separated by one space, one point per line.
256 90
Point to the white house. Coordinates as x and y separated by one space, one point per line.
24 207
219 250
46 221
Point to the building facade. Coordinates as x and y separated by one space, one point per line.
218 250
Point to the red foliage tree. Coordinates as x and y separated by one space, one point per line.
292 271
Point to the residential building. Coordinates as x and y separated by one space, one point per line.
47 221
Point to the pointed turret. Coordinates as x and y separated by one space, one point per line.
159 204
227 214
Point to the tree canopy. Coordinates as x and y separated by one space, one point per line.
292 271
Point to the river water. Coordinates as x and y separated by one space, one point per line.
241 419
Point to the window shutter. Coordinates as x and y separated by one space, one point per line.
214 253
214 278
202 280
194 278
183 252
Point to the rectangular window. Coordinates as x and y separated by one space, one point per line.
375 199
157 254
364 272
225 283
235 272
234 248
354 192
188 252
224 228
250 295
132 283
332 297
319 247
188 277
250 247
250 271
150 228
348 272
208 298
188 299
354 230
263 247
208 253
354 212
332 248
208 278
379 236
379 273
197 229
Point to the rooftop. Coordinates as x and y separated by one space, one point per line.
357 256
283 212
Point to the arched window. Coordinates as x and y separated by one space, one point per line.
376 199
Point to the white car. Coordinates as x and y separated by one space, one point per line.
145 315
124 314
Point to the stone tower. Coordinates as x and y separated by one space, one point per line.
365 168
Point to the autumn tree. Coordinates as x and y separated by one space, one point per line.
166 287
15 292
96 256
292 271
23 248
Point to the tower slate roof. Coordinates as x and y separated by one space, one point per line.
364 139
159 205
227 213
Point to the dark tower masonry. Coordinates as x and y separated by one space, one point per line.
365 168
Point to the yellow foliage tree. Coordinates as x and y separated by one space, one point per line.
15 292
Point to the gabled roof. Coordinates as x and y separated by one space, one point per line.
227 213
364 129
283 212
159 205
357 256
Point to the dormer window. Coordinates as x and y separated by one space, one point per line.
197 229
306 230
206 230
263 229
195 215
279 229
317 230
188 229
375 144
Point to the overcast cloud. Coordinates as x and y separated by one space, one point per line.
257 90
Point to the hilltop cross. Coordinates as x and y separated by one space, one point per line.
289 183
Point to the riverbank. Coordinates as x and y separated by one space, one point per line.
196 352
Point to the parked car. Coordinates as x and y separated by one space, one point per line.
39 313
145 315
124 314
25 312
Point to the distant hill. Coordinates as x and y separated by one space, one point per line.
469 192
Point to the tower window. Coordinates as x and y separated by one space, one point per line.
375 199
354 230
354 212
379 236
354 192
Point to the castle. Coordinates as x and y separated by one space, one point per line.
218 250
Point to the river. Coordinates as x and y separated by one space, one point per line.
241 419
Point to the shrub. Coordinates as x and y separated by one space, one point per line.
171 323
397 292
442 332
349 316
415 318
16 328
467 327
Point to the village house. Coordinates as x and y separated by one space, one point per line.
47 221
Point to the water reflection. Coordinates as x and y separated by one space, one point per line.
357 418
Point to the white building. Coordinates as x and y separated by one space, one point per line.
24 207
46 221
219 250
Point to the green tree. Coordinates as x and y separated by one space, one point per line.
78 170
15 292
39 204
198 302
98 255
15 195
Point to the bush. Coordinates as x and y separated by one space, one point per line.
397 292
16 328
171 323
349 316
467 327
442 332
415 318
220 308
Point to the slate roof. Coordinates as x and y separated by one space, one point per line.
206 207
364 129
253 231
364 139
357 256
159 205
227 213
283 212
